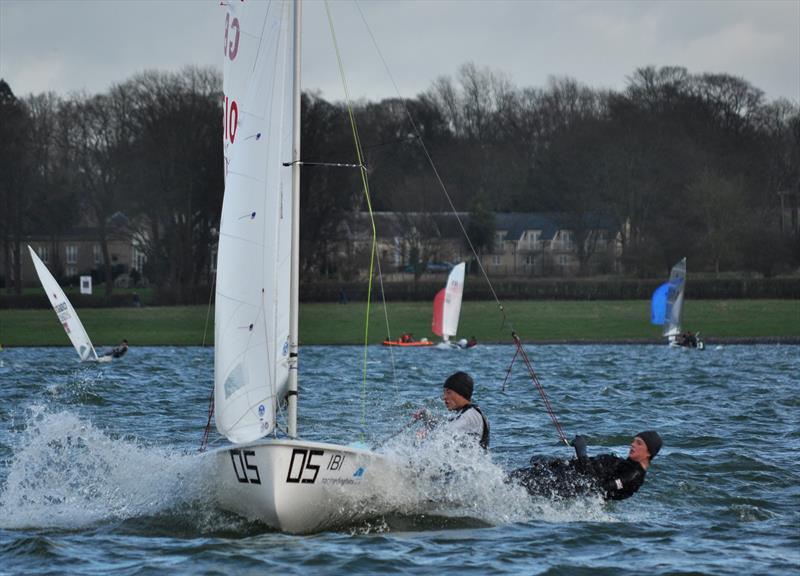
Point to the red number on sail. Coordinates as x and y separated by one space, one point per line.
231 46
231 119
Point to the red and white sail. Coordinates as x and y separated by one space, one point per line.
447 304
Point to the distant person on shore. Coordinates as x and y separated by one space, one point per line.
469 420
119 351
608 475
136 301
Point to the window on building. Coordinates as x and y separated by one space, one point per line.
496 260
499 238
563 260
602 239
529 260
98 254
533 238
71 271
72 254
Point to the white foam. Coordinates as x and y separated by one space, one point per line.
66 473
443 475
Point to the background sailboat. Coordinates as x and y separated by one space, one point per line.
66 313
447 308
289 484
667 308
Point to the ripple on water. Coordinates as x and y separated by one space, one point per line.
99 470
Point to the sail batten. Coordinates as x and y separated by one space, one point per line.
252 296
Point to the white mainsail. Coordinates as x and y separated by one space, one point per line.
64 310
252 296
677 285
290 484
451 305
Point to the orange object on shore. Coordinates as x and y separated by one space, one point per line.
407 344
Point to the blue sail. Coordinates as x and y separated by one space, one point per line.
658 305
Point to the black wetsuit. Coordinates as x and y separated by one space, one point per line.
612 477
117 352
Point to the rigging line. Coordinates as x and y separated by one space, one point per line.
539 387
508 372
365 185
207 431
386 319
506 320
208 310
324 164
435 170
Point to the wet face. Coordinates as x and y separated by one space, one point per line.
638 451
453 400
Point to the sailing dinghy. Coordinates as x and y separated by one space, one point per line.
289 484
66 313
667 309
447 308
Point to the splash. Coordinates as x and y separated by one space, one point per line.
66 473
446 477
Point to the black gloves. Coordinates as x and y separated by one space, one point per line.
579 443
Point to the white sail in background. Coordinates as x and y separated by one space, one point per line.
677 285
64 310
454 291
253 265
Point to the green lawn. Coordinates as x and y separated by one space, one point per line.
344 324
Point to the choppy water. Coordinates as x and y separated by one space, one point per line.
99 470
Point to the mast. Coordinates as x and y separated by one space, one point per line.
294 286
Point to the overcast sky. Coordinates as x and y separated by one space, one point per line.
69 45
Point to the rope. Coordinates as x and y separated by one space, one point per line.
207 431
535 380
323 164
432 164
508 372
365 184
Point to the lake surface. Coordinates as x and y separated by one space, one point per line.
99 469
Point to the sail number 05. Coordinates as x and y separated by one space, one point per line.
302 470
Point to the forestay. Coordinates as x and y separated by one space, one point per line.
253 265
64 310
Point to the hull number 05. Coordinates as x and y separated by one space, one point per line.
246 472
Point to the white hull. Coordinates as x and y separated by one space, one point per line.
450 345
301 487
673 343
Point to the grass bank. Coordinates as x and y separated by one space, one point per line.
344 324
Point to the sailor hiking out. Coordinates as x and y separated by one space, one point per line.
610 476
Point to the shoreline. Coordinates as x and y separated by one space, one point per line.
726 341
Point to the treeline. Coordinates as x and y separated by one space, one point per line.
687 165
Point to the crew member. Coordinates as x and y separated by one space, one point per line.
611 476
119 351
468 419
